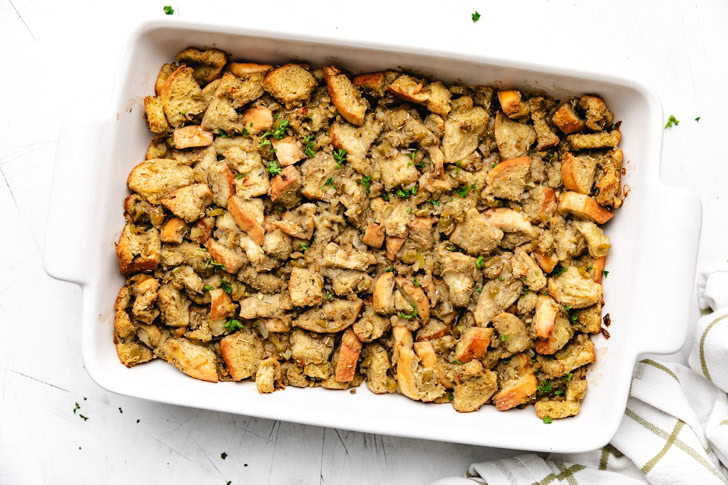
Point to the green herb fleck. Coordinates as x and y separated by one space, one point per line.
168 10
223 455
329 297
366 182
211 262
233 325
547 420
558 392
389 269
85 418
605 273
340 157
475 16
507 361
456 362
479 262
588 268
273 168
412 155
407 193
697 119
310 149
672 121
409 210
574 318
464 191
416 283
385 196
329 181
409 316
207 287
492 165
76 408
524 290
281 129
304 247
121 411
504 338
246 132
450 396
478 290
435 203
558 271
226 286
222 133
567 307
569 376
500 278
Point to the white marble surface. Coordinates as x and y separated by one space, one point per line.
57 60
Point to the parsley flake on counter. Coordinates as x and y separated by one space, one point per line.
168 10
273 168
475 16
76 408
340 157
223 455
547 420
672 121
697 119
121 411
233 325
479 262
605 273
85 418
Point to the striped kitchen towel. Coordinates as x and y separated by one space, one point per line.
675 428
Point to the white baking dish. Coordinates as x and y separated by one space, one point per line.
651 266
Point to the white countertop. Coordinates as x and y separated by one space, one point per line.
58 59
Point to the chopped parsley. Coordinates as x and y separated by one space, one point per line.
281 129
138 421
672 121
507 361
574 318
478 290
416 283
168 10
207 287
547 420
226 286
409 316
304 247
492 165
340 157
233 325
412 155
500 278
479 262
310 149
389 269
504 338
524 290
85 418
385 196
222 133
409 210
223 455
366 182
588 268
121 411
451 248
239 176
558 392
435 203
569 376
264 139
697 119
76 408
544 387
456 362
329 297
464 191
329 181
273 168
407 193
558 271
605 273
475 16
450 396
567 307
211 262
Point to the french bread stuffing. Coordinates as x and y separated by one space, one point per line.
305 227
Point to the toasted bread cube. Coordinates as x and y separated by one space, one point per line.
566 119
202 230
438 98
473 344
525 268
545 318
541 204
474 388
433 330
221 180
598 116
507 180
547 262
398 171
284 188
310 348
374 81
518 385
194 360
242 69
407 363
345 96
476 235
588 320
288 151
384 293
510 221
512 332
512 105
254 183
316 172
257 120
583 206
609 179
576 354
155 115
513 138
181 97
174 230
155 179
231 259
189 203
305 287
133 353
592 141
373 236
597 242
192 136
463 129
138 250
248 215
375 364
267 375
331 317
348 356
164 73
221 116
221 305
496 296
356 141
415 295
393 245
338 257
238 92
428 358
598 268
174 306
290 84
408 88
557 409
545 135
571 288
578 172
207 64
457 271
242 353
561 333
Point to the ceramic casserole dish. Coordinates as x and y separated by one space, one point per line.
651 265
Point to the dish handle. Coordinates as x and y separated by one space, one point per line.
672 279
72 197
